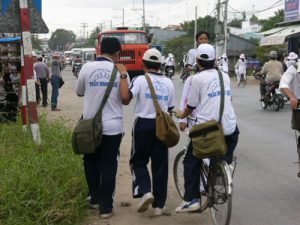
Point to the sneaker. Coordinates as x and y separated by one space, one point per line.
93 204
191 206
147 199
158 211
106 215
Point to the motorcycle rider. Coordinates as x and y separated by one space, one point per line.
273 70
76 60
170 63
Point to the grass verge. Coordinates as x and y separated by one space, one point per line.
40 184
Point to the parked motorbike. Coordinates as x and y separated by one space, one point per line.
273 96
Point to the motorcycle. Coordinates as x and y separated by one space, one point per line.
77 68
273 96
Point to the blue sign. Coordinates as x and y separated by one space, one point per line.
291 11
6 3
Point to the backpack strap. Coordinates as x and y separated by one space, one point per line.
153 94
222 96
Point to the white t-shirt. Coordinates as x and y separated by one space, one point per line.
170 61
192 54
223 65
164 90
204 95
92 82
241 66
291 80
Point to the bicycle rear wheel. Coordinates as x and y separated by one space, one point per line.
178 173
221 204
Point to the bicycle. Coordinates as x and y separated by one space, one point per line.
216 182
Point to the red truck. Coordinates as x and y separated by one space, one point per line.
134 44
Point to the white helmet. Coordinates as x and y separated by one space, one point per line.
170 55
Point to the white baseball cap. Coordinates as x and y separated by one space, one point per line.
153 55
206 52
292 56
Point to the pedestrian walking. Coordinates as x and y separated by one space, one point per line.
145 144
55 80
42 74
101 167
241 68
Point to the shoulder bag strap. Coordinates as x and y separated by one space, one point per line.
222 96
107 92
153 94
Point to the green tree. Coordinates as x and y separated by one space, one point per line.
235 23
269 23
60 38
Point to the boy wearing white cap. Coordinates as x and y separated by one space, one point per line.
145 144
204 96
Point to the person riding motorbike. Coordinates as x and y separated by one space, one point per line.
273 70
170 63
77 62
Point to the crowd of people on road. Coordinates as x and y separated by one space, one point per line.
201 100
43 75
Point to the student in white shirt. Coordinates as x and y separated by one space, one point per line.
240 68
145 144
101 167
204 96
223 65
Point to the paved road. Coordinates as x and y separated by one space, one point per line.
266 188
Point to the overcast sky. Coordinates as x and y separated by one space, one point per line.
71 14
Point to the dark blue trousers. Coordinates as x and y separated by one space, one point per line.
100 171
146 146
192 166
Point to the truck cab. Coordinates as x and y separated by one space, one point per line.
134 44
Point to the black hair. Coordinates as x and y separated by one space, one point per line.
110 45
206 64
40 59
200 33
152 65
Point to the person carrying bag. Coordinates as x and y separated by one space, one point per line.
166 129
87 134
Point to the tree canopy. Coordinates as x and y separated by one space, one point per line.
269 23
60 38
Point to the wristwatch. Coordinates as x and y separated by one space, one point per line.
123 76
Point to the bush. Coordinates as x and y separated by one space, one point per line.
40 184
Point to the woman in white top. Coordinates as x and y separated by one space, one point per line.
240 68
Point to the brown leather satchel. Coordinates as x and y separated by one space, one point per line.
166 129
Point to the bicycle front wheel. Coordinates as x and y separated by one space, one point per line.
178 173
221 195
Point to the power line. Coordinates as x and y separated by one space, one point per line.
274 5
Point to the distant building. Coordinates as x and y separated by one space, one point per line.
248 30
174 27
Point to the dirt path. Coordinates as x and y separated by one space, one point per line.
71 106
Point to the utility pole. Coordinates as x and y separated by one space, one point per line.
144 20
195 28
218 30
225 26
84 25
